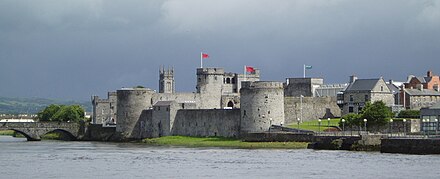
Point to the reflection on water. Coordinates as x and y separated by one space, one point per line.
57 159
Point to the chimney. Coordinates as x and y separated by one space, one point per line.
353 78
429 73
391 82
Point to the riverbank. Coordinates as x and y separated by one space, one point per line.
7 132
48 136
194 142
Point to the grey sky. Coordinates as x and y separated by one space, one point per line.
73 49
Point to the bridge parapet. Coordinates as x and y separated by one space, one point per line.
34 130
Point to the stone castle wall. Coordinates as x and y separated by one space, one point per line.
262 105
178 97
207 122
313 108
131 104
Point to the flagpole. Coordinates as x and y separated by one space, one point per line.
304 68
244 73
201 59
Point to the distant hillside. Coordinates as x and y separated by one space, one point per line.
33 105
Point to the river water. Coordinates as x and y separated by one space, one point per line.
59 159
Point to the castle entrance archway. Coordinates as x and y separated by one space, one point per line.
230 104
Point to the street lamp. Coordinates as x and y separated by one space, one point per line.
365 125
436 126
328 122
319 125
391 127
427 121
343 124
404 126
299 120
301 107
423 126
270 123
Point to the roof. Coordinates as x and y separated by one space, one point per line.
393 88
424 92
363 85
163 103
421 79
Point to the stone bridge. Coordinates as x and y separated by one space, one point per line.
34 130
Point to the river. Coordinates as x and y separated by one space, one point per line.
59 159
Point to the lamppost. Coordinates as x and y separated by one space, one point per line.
365 125
270 123
427 127
436 126
423 126
404 127
301 107
391 127
319 125
299 120
328 123
343 126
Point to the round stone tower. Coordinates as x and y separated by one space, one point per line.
131 103
262 105
209 86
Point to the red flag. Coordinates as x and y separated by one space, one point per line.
205 55
250 69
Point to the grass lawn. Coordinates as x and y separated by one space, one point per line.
221 142
313 125
6 132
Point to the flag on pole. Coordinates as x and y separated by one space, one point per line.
306 67
205 55
250 69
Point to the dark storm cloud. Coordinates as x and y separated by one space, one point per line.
72 49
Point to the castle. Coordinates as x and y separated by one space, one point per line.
224 104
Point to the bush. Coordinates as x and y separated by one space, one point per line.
351 119
409 114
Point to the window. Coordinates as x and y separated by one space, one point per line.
228 80
381 88
199 79
366 98
351 98
350 109
233 80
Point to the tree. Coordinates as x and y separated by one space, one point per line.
47 113
351 119
73 113
377 114
409 114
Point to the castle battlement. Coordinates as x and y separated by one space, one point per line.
210 71
261 84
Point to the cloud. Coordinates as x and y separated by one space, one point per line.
98 45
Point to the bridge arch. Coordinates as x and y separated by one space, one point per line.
65 135
28 137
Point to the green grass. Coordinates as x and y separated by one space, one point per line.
7 132
48 136
313 125
221 142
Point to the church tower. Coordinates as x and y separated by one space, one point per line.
166 80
